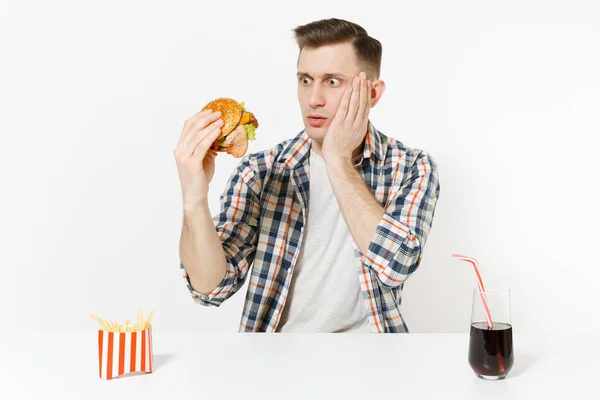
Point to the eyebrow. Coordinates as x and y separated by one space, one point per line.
327 74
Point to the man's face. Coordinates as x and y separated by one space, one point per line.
323 75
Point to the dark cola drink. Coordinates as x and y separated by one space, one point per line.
491 350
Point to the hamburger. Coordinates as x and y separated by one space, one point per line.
238 128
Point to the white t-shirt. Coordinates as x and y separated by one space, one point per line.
325 293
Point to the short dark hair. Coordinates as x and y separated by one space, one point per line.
330 31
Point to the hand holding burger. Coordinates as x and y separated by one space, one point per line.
227 128
239 126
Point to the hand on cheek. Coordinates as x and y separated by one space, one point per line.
349 126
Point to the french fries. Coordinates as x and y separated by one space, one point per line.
112 326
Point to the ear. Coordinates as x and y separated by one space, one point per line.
377 90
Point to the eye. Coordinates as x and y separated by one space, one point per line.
334 82
305 80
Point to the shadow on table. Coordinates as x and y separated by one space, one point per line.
129 375
522 363
160 360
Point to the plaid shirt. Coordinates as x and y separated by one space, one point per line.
263 214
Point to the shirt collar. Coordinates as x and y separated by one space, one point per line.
296 151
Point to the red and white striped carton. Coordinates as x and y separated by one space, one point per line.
123 352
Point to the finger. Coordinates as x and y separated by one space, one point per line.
204 120
362 102
208 133
199 121
191 126
369 100
202 147
210 154
213 129
195 131
200 114
353 106
343 106
188 122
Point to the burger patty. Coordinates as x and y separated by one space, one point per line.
235 137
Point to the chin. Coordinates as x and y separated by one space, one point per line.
316 133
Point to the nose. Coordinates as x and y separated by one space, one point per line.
317 98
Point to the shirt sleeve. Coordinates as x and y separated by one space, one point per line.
396 247
237 226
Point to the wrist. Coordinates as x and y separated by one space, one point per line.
337 160
195 204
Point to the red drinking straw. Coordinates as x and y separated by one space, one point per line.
480 284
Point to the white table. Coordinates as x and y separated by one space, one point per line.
297 366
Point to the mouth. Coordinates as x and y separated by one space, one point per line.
316 120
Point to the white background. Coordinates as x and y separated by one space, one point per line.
504 95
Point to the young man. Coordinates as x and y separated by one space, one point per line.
334 219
